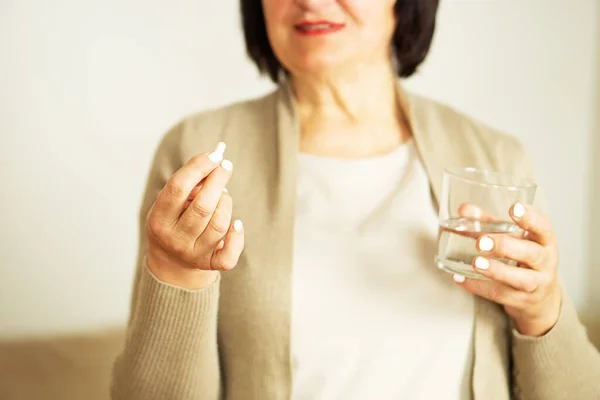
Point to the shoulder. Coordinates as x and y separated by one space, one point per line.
201 131
468 137
242 112
459 124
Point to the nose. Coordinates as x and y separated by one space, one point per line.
311 5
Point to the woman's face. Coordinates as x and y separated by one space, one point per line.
321 36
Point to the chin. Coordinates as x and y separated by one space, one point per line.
319 65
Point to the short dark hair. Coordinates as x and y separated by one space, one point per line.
415 25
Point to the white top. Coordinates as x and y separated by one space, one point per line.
372 316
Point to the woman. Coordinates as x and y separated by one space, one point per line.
336 176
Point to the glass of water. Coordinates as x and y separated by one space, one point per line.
475 202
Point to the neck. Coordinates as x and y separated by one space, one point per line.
355 94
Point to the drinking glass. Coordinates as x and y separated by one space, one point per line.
475 202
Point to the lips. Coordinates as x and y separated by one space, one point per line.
322 27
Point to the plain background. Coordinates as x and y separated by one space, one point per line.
88 88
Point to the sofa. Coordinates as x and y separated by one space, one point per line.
78 367
73 367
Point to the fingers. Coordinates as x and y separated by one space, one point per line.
529 293
172 197
227 258
194 193
497 292
522 279
198 214
538 225
521 250
189 224
483 222
218 225
471 211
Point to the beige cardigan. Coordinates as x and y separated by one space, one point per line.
231 340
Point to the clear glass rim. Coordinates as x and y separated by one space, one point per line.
516 183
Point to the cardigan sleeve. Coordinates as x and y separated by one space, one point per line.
563 363
170 349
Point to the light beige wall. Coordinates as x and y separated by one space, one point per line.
531 68
88 87
592 313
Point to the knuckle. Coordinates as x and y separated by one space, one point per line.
528 286
219 225
223 210
174 188
221 219
537 258
494 293
179 247
203 249
155 227
536 296
226 266
223 263
531 299
201 209
198 158
531 219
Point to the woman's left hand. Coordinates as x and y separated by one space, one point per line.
530 292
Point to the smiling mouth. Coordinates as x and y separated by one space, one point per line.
318 27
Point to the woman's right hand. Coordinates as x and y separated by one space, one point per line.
189 229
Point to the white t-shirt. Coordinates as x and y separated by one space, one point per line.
372 316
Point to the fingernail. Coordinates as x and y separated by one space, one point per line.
217 155
458 278
486 243
482 263
237 225
225 190
228 165
518 210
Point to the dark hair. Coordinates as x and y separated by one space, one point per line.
415 24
